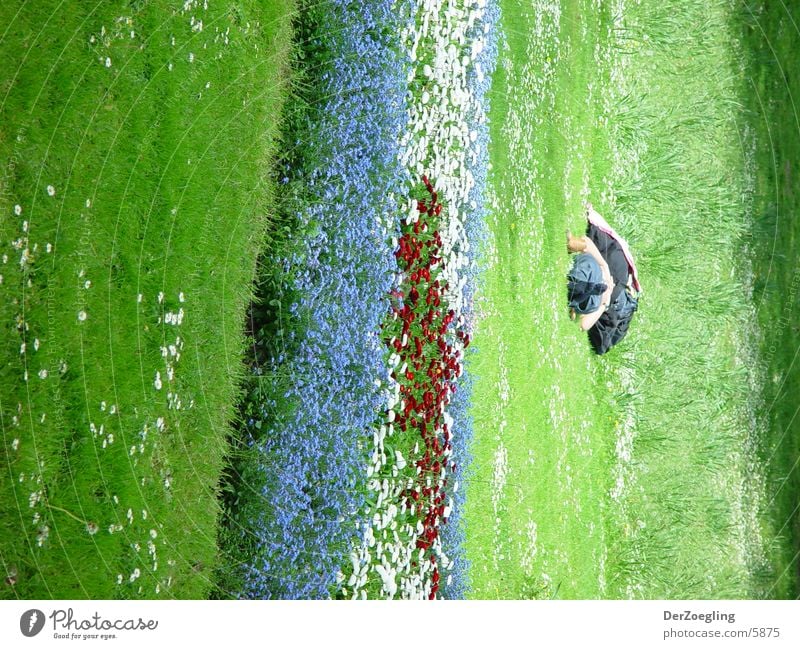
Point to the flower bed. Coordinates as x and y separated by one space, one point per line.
357 428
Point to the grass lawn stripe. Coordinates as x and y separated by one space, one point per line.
663 456
143 119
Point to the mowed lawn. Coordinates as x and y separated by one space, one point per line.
135 144
543 446
639 474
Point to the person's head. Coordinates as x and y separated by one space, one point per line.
585 284
584 297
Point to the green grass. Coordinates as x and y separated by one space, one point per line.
535 522
639 471
772 40
159 160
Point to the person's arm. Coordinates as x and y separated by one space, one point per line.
591 248
588 320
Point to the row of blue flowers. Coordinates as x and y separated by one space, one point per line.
340 180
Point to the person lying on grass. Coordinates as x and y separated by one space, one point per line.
603 285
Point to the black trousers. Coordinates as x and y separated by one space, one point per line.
615 258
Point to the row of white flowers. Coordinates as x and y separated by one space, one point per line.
441 141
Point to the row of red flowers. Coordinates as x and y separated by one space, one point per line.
429 343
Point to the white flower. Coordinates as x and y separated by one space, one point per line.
160 297
44 532
15 444
81 315
18 209
181 297
43 374
191 57
87 283
51 191
157 382
108 62
36 344
49 247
